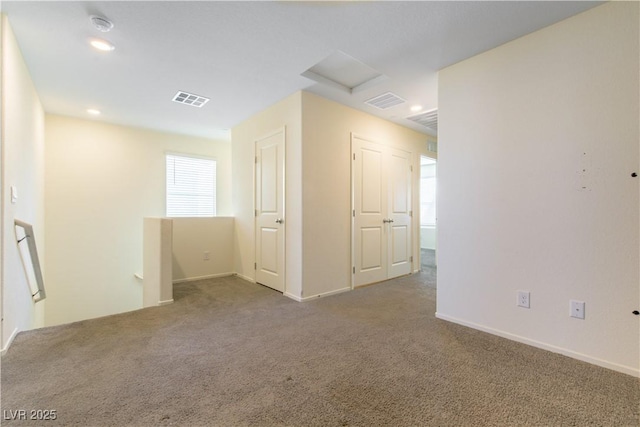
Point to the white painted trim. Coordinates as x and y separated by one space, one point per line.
560 350
9 342
243 277
292 296
312 297
167 302
209 276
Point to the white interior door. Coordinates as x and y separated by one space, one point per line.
381 186
369 210
269 213
399 213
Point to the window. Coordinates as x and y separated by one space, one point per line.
191 186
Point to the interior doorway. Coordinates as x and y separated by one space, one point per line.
428 220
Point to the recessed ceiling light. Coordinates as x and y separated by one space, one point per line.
102 45
93 111
416 108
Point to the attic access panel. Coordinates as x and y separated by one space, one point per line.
344 72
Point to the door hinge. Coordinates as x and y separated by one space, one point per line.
255 265
354 213
411 168
255 212
256 159
354 156
411 214
411 258
354 270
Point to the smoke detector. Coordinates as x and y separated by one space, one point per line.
101 24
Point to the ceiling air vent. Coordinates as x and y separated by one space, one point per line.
190 99
427 119
384 101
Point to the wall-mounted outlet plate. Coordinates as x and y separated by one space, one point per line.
523 299
577 309
206 256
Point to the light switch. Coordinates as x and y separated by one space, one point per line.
14 194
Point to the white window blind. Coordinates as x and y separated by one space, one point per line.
191 186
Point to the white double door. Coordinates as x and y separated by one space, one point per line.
269 214
382 215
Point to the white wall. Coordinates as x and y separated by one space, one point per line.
286 113
101 181
192 237
326 149
428 235
22 166
537 142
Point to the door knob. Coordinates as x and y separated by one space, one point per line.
279 220
387 220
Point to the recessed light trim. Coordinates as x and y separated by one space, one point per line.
102 45
93 111
416 108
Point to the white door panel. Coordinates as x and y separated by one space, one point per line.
270 211
371 182
372 253
399 237
268 157
400 180
269 250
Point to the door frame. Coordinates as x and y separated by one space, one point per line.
283 130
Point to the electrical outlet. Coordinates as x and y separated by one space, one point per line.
577 309
523 299
206 256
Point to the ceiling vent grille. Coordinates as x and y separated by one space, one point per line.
384 101
190 99
427 119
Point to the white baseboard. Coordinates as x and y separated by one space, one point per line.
166 302
243 277
210 276
293 297
325 294
560 350
11 338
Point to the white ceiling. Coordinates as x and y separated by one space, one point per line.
246 56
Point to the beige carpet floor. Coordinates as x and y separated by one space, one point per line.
232 353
